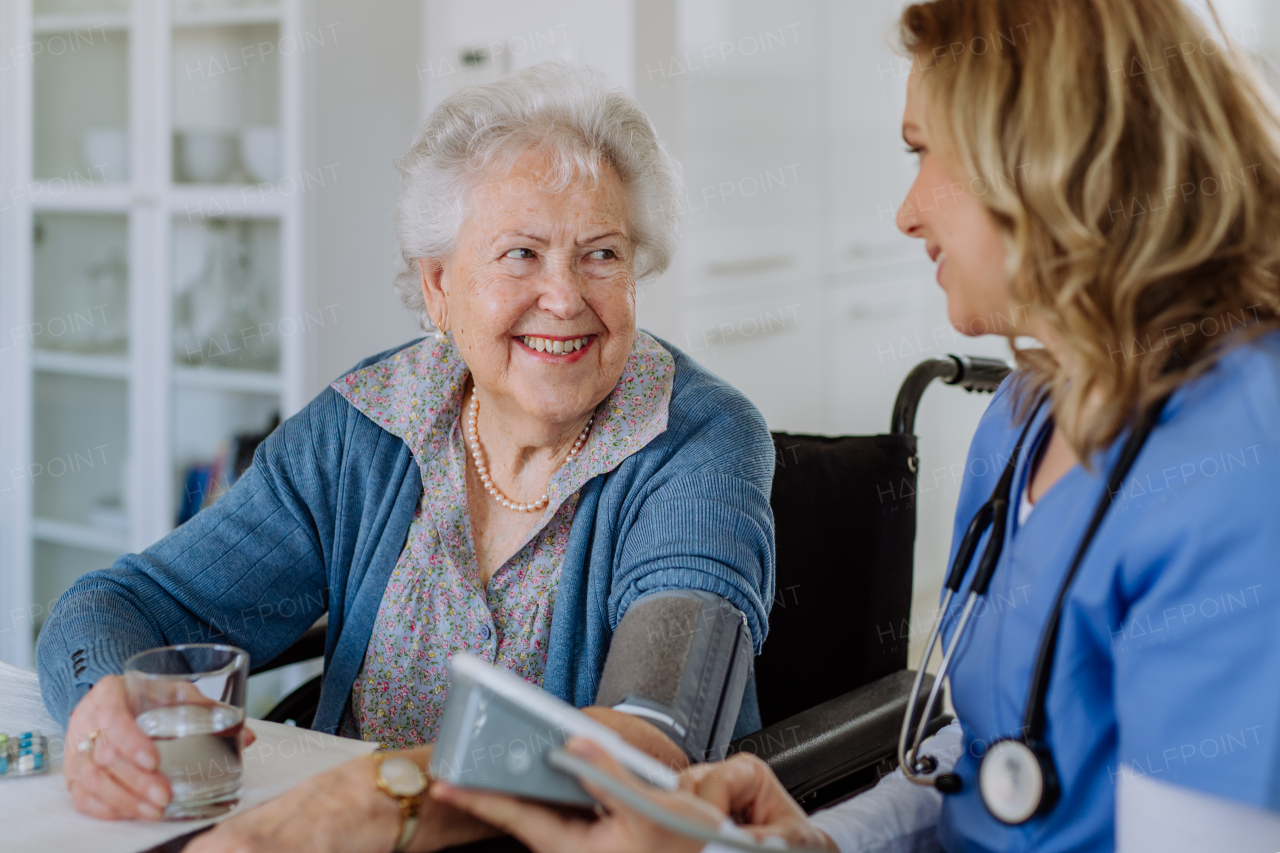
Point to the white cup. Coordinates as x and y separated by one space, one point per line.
206 156
260 152
106 151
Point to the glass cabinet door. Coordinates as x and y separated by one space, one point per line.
226 288
80 435
226 92
227 338
227 334
79 476
79 328
81 93
81 293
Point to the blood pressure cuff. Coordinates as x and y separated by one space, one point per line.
680 660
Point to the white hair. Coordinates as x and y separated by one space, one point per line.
571 113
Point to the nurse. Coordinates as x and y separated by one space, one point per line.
1103 177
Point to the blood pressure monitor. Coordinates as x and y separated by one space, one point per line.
497 731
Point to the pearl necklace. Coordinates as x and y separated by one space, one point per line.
477 453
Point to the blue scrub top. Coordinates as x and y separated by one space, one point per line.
1168 659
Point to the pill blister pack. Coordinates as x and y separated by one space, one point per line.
26 754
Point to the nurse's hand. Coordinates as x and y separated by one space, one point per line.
746 789
643 736
109 764
340 811
619 830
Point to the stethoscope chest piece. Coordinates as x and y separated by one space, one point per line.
1017 781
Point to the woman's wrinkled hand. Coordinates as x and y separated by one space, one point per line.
117 778
341 811
746 789
619 830
111 767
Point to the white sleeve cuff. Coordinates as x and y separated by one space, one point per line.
1158 817
897 815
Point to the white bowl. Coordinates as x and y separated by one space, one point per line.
206 156
260 152
106 152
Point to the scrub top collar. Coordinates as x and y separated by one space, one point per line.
1041 431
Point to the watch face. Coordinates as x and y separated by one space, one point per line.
402 777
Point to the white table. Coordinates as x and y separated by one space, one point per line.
38 816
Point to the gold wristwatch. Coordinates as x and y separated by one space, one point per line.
401 780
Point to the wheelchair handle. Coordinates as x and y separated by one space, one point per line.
971 372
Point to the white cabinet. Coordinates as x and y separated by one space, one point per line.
763 344
796 285
150 271
788 128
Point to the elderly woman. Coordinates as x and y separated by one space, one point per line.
511 485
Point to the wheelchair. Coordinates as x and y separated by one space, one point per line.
845 521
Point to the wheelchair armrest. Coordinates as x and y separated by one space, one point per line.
309 645
831 741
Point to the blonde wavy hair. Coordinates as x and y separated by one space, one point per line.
1131 159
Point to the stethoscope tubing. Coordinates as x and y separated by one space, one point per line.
992 513
997 507
907 757
944 668
1034 717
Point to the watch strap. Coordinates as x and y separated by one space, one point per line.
408 826
409 805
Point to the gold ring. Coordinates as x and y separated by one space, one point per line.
85 746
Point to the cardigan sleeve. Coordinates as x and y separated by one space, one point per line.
249 570
708 532
704 520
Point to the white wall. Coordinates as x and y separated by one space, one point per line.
363 113
1242 19
521 33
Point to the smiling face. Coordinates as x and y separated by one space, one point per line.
960 234
539 294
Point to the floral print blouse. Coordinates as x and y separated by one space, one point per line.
435 604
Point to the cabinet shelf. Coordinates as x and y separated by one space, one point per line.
227 17
228 379
79 364
197 201
114 542
41 24
63 23
78 193
201 201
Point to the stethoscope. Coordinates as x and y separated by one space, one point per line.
1016 777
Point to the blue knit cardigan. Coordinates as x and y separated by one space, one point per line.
318 521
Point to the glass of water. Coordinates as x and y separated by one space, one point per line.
189 700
